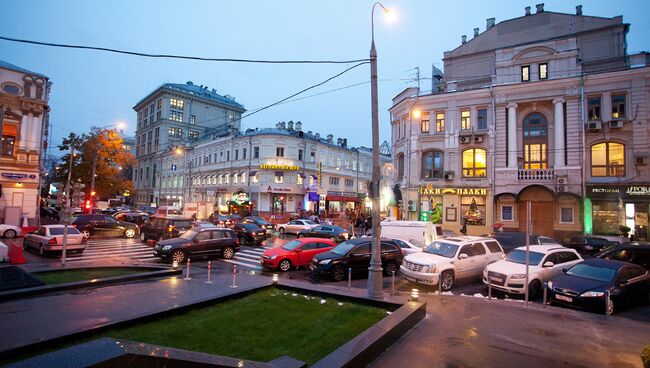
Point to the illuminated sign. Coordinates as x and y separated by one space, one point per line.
430 190
279 167
615 191
240 197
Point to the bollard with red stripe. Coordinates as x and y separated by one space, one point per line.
187 277
209 273
234 277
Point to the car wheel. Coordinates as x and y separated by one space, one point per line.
41 250
389 268
243 240
447 280
338 273
610 306
86 234
284 265
301 235
178 256
143 237
129 233
10 234
228 252
281 230
534 289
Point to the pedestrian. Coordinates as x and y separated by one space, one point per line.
194 217
463 230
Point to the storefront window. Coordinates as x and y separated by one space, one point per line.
475 163
279 204
608 159
8 139
431 209
473 210
605 218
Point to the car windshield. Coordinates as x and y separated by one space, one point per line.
587 271
59 231
447 250
291 245
519 256
343 248
189 234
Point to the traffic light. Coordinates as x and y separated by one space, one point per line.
77 195
93 194
87 207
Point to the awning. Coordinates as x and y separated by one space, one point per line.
253 173
315 177
339 198
302 175
279 173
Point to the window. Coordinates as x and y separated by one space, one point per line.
424 122
300 154
313 156
465 122
279 177
506 213
525 73
349 182
618 106
176 103
193 135
175 132
493 247
593 108
175 116
11 88
256 152
235 178
481 119
192 119
473 210
334 180
299 179
8 139
236 154
475 163
535 140
608 159
432 164
228 155
158 115
566 215
159 104
400 166
543 70
279 152
255 178
243 153
220 156
440 122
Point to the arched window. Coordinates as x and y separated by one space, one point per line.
608 159
475 163
432 164
535 129
400 166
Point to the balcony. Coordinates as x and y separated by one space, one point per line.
536 175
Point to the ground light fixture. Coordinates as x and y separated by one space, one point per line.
415 295
276 277
175 265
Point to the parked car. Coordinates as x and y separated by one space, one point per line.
333 232
587 285
198 242
296 226
10 231
545 262
296 253
50 213
634 252
422 232
447 260
355 254
165 211
202 224
49 238
269 227
138 218
103 225
448 233
409 247
161 228
587 244
249 233
510 240
147 209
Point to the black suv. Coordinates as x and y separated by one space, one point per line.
587 244
634 252
103 225
249 233
160 228
269 227
355 254
198 242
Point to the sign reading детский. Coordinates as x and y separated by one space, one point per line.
429 190
279 167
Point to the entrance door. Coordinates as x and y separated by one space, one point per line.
542 217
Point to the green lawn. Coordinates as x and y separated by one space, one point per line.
63 276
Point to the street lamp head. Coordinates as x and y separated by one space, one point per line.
179 151
416 113
121 125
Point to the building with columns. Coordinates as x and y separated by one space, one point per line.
24 123
536 109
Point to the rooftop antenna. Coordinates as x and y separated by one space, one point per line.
416 77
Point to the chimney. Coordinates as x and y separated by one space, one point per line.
317 136
475 32
527 10
490 23
344 143
290 125
330 138
283 125
579 10
277 125
464 39
310 133
539 8
338 141
298 126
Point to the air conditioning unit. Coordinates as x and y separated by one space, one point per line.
615 124
561 180
465 139
478 139
449 176
560 188
594 126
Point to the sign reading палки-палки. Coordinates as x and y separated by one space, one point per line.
427 190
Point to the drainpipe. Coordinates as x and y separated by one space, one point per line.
584 152
492 150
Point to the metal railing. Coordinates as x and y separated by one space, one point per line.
536 175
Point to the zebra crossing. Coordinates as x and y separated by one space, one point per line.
114 250
248 257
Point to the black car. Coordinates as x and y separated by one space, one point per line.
332 232
221 220
249 233
587 284
510 240
138 218
355 254
103 225
198 242
587 244
160 228
634 252
269 227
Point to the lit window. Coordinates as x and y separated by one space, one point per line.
593 108
175 132
279 177
618 106
193 135
535 141
192 119
174 116
440 122
475 163
176 103
465 122
543 71
8 139
432 164
525 73
299 179
608 159
424 122
235 178
255 178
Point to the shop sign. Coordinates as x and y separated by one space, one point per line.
638 191
279 167
240 197
430 190
278 190
17 176
626 191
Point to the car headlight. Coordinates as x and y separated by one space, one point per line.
518 276
592 294
549 284
167 247
429 268
273 257
325 261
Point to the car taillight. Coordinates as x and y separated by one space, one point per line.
170 228
236 241
252 233
74 225
52 241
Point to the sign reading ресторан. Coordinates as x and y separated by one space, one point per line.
279 167
430 190
626 191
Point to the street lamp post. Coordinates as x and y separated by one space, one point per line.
375 282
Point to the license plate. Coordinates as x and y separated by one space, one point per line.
564 298
496 279
412 279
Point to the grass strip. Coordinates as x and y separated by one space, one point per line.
85 274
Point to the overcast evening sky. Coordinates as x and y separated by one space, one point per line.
96 88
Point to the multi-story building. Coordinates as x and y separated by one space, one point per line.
546 109
175 114
270 171
24 123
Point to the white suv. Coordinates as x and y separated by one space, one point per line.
545 262
446 260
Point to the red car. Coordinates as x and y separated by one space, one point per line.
295 253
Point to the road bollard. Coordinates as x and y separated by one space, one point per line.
489 288
440 284
349 278
187 276
545 295
608 300
209 273
234 277
393 283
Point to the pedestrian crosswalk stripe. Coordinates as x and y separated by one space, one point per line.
259 253
250 265
248 257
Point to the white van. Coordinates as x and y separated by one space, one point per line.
164 211
420 233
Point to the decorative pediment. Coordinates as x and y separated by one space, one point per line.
534 52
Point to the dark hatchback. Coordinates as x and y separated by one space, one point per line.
587 284
269 227
249 233
103 225
138 218
160 228
332 232
355 254
587 244
198 242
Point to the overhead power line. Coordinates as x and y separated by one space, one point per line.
171 56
